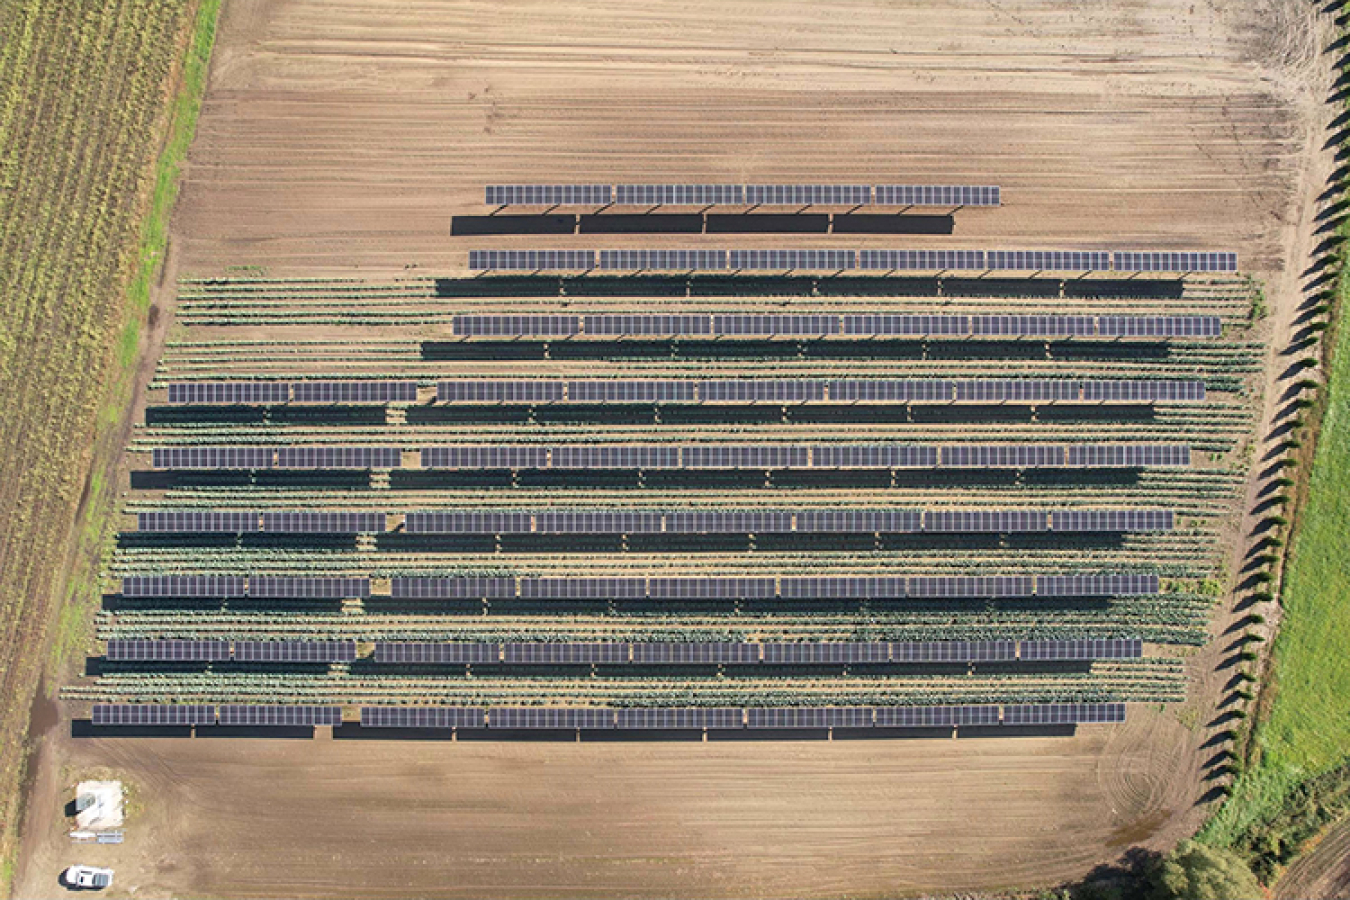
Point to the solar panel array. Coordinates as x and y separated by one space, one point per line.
339 457
295 651
821 390
1082 648
270 392
785 587
532 260
152 714
280 716
870 260
183 586
211 457
741 194
283 457
663 260
856 324
313 587
422 717
323 522
761 521
1064 714
143 649
201 521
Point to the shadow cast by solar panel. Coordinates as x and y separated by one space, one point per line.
579 412
614 479
1049 540
144 540
976 732
972 412
829 479
752 286
84 728
162 481
1023 288
350 731
697 415
275 541
119 603
263 478
892 734
484 349
194 415
1124 289
404 606
1073 412
468 226
524 735
95 666
1113 350
770 223
500 286
652 223
770 734
976 349
893 223
271 732
635 285
436 543
879 286
431 415
644 736
1100 477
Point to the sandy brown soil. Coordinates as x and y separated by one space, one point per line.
342 138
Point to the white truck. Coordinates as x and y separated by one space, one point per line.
90 877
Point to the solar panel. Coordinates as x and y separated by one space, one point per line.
729 522
866 521
952 651
152 714
984 521
783 260
295 651
323 522
982 456
1069 520
744 457
598 522
182 586
540 653
939 260
1144 391
873 456
211 458
679 194
583 588
1082 648
937 195
201 521
533 391
532 260
308 587
663 260
807 653
1159 326
913 325
548 194
463 587
1017 390
467 522
230 392
280 716
1129 455
1095 585
695 653
422 717
459 652
964 586
339 457
631 391
843 587
518 457
1153 261
549 717
812 325
1033 326
1064 714
762 390
809 717
912 390
1054 260
935 716
808 194
712 588
138 649
657 324
670 718
354 391
515 326
615 457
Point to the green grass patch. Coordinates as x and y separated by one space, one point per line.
1308 730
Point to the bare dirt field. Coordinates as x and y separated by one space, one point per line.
342 137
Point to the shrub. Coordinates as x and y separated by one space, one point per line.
1197 872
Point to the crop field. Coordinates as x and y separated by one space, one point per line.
891 538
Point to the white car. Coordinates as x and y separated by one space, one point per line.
88 877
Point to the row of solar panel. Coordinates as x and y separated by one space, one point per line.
740 194
836 260
171 714
749 653
869 521
582 588
787 587
293 392
240 586
732 718
197 457
870 325
107 714
820 390
820 456
161 650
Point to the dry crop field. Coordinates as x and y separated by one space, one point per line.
335 189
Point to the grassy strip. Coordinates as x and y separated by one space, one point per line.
1307 733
